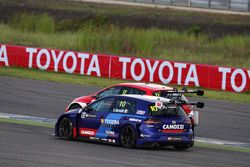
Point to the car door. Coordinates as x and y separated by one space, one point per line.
92 117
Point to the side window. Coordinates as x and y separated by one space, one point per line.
138 91
127 90
109 91
124 106
102 105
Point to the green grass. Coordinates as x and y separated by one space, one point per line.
27 122
221 147
34 23
103 82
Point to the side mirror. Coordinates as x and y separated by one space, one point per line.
200 92
200 105
95 96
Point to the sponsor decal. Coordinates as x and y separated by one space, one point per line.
173 127
158 104
86 115
174 138
143 135
135 120
140 112
83 115
150 126
94 138
154 108
90 116
178 128
110 133
104 139
102 120
120 110
87 132
110 122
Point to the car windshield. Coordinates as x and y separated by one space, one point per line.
166 94
166 110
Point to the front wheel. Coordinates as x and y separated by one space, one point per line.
128 137
65 129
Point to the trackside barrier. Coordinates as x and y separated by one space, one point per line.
230 5
127 68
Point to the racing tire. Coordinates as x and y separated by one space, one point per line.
128 136
181 146
65 129
74 106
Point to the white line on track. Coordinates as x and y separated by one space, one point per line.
53 121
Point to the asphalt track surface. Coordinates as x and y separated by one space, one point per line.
24 145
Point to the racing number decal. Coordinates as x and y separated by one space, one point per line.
157 94
124 92
122 104
154 108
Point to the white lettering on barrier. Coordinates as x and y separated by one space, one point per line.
141 75
192 76
151 69
38 59
3 55
243 83
224 76
180 66
225 71
171 72
56 59
124 61
31 51
74 62
94 66
83 56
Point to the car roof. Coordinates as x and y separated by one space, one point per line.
146 86
149 99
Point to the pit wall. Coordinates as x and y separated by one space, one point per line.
127 68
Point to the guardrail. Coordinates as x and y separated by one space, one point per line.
233 5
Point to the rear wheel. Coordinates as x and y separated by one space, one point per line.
128 136
65 129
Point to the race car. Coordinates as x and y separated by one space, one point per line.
130 121
141 89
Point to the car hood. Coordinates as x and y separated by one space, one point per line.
84 99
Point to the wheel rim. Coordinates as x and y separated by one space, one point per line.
127 137
65 129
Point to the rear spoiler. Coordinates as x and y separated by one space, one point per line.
185 90
180 102
177 94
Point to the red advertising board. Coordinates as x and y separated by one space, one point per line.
127 68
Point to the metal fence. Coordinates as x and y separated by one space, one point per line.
234 5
